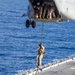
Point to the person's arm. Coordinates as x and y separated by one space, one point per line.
38 48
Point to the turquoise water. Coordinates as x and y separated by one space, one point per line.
18 45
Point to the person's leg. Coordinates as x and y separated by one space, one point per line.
53 14
41 10
40 60
44 12
37 60
48 14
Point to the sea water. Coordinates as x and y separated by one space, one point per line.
18 44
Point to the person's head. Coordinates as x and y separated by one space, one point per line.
40 45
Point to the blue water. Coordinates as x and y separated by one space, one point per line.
18 44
